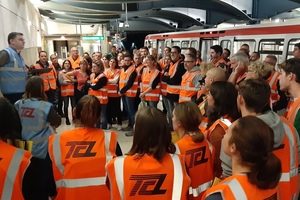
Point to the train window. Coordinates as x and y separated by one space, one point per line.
168 44
176 43
238 43
194 43
291 44
205 48
226 44
185 44
271 46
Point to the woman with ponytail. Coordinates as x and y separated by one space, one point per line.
79 156
256 171
199 153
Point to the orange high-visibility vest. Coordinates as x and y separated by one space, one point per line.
49 78
147 80
138 71
173 89
288 107
75 63
162 63
112 88
78 159
188 89
202 106
151 180
241 78
287 152
199 157
66 90
102 93
238 187
272 80
224 122
13 164
124 77
291 116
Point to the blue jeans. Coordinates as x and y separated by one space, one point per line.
129 106
152 104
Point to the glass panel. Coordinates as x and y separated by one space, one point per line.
176 43
194 44
184 44
238 43
205 48
271 47
226 44
291 44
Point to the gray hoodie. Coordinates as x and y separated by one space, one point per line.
273 120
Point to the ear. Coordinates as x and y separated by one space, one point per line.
291 76
232 148
240 100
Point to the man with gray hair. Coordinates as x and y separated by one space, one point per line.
239 64
13 71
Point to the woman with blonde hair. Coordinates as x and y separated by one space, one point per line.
150 161
186 120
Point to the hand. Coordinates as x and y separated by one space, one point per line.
240 69
120 94
142 95
166 74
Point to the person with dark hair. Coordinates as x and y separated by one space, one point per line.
48 78
114 100
89 68
223 110
216 56
226 54
67 89
255 56
57 94
105 61
113 53
254 95
79 156
12 82
289 81
256 170
97 87
128 86
144 51
186 120
151 158
173 79
245 49
296 51
190 80
13 161
38 119
150 82
161 62
80 77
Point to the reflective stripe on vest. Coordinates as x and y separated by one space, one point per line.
48 78
12 172
236 189
201 188
293 111
80 182
273 85
173 89
124 77
188 89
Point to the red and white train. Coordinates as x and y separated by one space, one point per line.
277 39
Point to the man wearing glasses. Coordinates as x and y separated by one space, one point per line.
13 71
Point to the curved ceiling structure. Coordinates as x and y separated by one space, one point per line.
153 15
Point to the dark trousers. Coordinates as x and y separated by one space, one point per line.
58 99
78 95
51 98
38 181
114 110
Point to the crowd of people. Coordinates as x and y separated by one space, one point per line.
218 136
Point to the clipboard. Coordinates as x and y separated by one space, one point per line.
39 71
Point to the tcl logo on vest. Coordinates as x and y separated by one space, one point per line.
145 181
79 149
197 156
27 112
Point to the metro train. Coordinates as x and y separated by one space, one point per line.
277 39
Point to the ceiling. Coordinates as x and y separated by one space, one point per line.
158 15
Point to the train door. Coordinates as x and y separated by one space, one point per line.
195 44
271 47
205 45
160 47
238 42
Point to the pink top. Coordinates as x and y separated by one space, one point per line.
80 79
